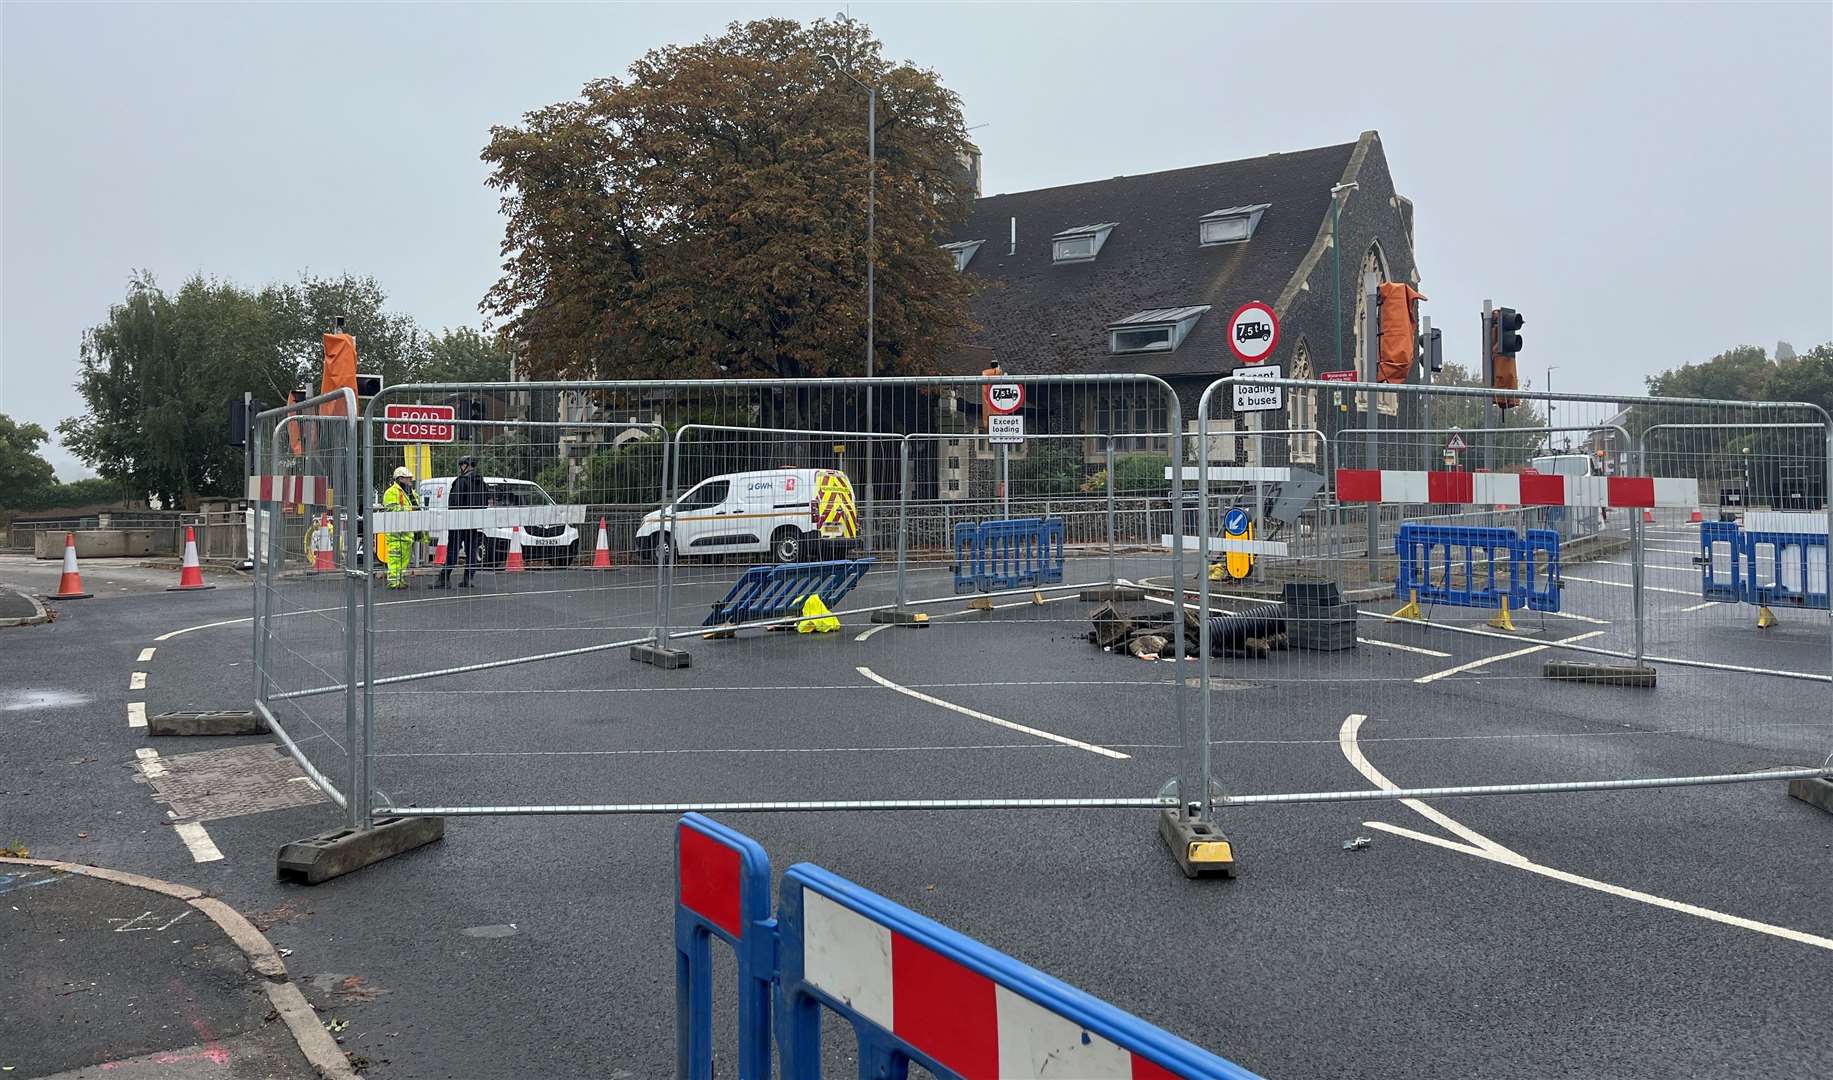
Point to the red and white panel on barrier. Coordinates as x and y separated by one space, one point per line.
310 490
961 1018
1514 489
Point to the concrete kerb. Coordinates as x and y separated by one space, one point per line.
38 615
320 1049
209 722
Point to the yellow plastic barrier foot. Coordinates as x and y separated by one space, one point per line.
1501 621
1037 598
1410 609
1198 847
1766 618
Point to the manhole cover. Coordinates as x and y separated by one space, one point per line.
1224 684
227 783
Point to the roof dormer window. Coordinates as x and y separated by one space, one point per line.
963 251
1080 244
1153 330
1230 226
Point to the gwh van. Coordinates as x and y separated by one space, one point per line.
556 542
788 513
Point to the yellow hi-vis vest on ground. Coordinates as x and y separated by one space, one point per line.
816 619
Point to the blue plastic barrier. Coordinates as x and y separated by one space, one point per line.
722 890
1768 569
1711 586
1497 564
911 989
1789 555
1008 554
765 592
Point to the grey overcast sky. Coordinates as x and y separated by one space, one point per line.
1649 184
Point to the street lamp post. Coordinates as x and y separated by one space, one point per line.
871 269
1551 368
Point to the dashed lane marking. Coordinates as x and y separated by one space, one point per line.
146 654
1488 660
1403 648
150 764
202 848
136 714
137 681
1007 724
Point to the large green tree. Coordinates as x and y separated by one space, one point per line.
706 214
159 373
24 473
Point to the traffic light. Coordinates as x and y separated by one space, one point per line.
1504 343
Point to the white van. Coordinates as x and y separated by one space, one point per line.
556 542
786 512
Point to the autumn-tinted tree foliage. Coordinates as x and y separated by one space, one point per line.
706 214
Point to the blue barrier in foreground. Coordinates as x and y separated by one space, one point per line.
911 989
1496 564
765 592
993 555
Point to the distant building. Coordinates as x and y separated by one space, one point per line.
1142 274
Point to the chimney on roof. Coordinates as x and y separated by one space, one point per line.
1012 249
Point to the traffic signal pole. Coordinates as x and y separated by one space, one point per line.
1371 372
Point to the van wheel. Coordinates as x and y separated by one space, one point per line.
658 546
786 545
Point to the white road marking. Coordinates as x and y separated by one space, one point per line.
1403 648
1488 660
1631 585
136 714
1575 617
1697 607
1695 910
1346 741
137 681
145 655
150 763
1009 725
203 849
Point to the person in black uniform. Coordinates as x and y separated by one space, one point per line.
468 493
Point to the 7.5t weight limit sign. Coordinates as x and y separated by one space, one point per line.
419 423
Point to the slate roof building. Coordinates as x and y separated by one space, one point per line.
1142 274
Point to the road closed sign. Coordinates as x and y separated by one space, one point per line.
1251 396
1253 332
419 423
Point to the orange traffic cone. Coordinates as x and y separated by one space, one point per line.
439 552
1648 517
191 575
323 561
601 555
1695 519
70 586
513 564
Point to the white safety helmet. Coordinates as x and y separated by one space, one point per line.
402 472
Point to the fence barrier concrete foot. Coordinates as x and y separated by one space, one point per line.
661 656
901 617
341 851
1198 846
1601 674
1112 594
219 722
1815 791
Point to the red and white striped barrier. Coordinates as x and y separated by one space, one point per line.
309 490
1513 489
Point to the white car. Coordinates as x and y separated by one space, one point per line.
556 542
785 512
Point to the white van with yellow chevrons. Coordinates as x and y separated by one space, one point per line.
791 514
